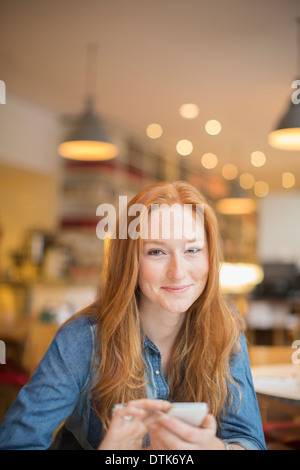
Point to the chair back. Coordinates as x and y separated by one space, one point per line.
261 355
39 338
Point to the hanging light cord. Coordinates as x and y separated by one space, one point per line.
91 70
298 49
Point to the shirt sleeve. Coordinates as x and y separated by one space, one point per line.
241 424
53 391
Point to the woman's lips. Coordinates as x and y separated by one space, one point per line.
176 289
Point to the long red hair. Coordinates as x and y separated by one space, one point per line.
199 369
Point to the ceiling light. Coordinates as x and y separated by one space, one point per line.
236 206
229 171
213 127
237 203
258 158
184 147
238 278
189 111
209 161
288 180
88 139
247 181
286 135
261 188
154 130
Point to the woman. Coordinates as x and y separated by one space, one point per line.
160 333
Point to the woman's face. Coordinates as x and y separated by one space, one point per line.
173 271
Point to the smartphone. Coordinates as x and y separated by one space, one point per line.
191 413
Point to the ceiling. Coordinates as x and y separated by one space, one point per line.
236 59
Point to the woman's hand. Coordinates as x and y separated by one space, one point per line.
131 422
170 433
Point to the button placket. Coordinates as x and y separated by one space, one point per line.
161 384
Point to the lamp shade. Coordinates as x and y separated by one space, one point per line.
286 135
88 140
236 205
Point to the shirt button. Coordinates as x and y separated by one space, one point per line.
157 372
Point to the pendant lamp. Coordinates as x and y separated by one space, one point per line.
237 203
88 140
236 206
286 135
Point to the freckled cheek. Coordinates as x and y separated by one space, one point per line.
200 273
148 275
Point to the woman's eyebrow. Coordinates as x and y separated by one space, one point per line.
162 242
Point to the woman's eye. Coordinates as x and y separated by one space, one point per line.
193 250
155 252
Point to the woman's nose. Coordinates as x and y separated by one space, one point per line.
175 268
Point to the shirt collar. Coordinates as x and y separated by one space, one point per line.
148 342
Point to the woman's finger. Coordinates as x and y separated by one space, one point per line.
140 408
209 422
151 404
152 418
173 431
184 431
163 439
128 413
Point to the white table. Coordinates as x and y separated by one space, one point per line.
278 380
278 386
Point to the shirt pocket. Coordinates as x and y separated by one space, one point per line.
95 429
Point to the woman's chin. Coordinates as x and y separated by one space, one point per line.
177 308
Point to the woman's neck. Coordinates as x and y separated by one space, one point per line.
161 327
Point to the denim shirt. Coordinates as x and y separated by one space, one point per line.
60 391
